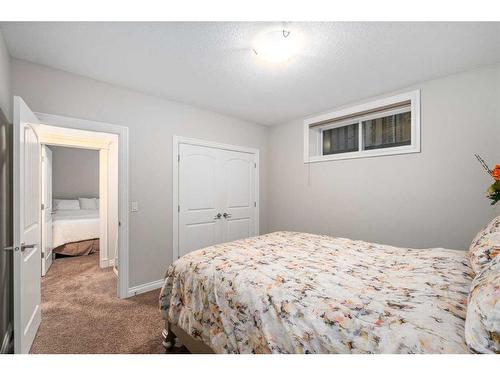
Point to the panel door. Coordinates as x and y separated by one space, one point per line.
238 187
46 209
199 198
27 292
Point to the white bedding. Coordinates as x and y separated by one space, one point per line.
288 292
74 225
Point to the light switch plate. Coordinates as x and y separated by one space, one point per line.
134 206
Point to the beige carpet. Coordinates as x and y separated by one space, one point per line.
81 313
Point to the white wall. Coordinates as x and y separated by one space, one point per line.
5 81
434 198
431 199
152 122
75 172
5 198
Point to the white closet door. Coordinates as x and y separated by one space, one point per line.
216 196
238 187
199 198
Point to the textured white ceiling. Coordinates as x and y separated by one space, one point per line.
212 66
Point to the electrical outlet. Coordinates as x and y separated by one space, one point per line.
134 206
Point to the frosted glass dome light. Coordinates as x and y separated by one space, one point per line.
276 46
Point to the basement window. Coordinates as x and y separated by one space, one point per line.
388 126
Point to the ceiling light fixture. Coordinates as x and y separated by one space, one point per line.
276 46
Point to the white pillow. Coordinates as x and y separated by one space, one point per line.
485 246
66 204
88 203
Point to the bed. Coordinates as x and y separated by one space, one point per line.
75 232
289 292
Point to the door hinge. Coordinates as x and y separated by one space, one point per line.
178 208
178 157
255 165
43 207
255 204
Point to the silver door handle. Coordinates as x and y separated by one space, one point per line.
226 215
24 247
218 216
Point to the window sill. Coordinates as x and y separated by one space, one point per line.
364 154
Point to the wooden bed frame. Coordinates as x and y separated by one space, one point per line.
173 334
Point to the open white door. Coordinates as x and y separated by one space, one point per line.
27 293
46 209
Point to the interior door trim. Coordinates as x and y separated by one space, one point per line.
78 127
176 142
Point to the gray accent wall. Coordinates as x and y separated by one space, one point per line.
152 123
435 198
75 173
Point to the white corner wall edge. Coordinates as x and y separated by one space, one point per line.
143 288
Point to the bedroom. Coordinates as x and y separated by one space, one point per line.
71 220
74 189
308 184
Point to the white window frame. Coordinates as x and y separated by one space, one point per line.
414 107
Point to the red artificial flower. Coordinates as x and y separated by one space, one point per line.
496 172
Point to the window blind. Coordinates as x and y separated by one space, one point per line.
374 111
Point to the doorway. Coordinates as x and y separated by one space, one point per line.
79 185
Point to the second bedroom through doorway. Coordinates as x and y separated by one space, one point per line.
79 197
71 187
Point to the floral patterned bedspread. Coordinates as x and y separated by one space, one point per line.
289 292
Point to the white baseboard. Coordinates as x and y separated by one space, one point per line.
105 263
143 288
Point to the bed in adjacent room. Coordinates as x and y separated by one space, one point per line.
289 292
75 231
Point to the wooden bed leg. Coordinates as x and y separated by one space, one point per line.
168 337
